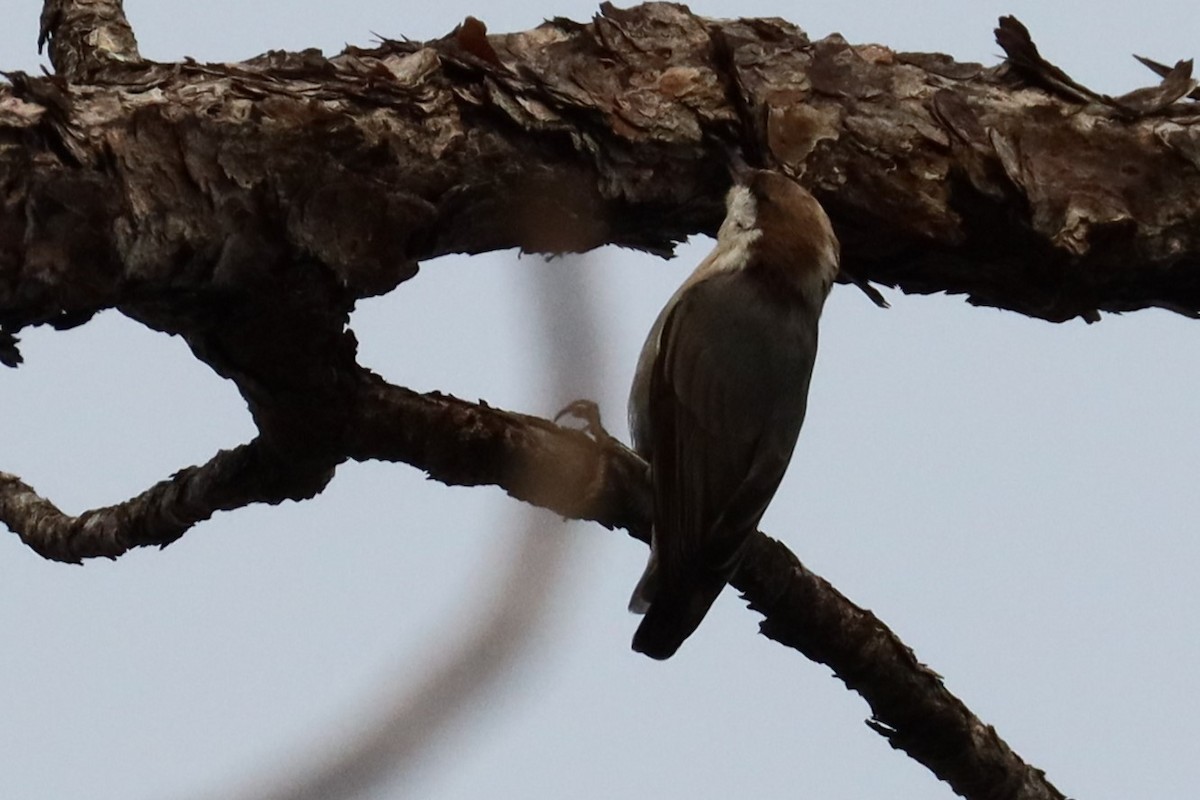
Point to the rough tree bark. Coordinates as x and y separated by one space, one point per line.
246 207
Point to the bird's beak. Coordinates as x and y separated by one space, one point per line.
739 170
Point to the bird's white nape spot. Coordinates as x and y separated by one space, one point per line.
741 212
737 233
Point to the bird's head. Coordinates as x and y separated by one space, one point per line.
782 233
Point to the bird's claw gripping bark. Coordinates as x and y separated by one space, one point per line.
588 413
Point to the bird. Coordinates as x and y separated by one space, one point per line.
720 393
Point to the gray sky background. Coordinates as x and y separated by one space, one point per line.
1016 499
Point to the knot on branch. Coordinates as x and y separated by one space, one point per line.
86 37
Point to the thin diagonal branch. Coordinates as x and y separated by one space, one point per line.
910 705
158 516
534 460
909 702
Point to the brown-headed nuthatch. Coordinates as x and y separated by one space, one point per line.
720 394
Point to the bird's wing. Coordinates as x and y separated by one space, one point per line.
727 398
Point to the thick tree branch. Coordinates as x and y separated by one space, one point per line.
940 176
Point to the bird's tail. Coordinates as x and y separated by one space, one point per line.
672 616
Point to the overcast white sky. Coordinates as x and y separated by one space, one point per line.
1016 499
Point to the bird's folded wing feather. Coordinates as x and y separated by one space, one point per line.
727 397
